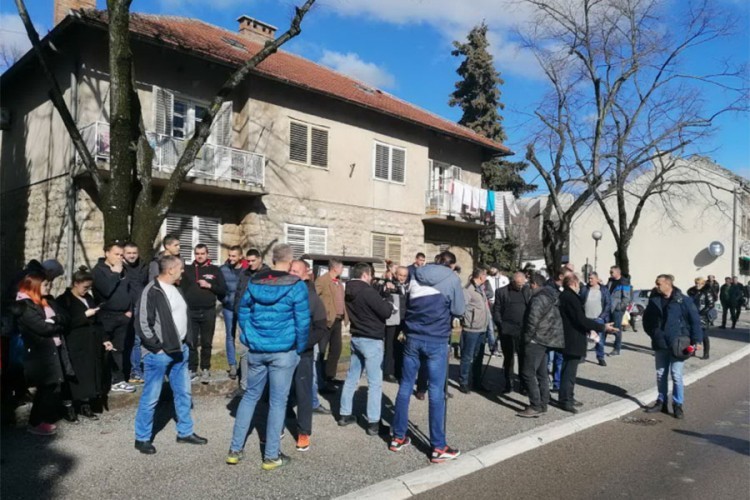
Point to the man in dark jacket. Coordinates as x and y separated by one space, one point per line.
509 312
670 314
597 305
735 297
304 374
115 310
163 326
231 271
542 332
367 310
204 285
621 295
576 327
136 273
274 317
171 244
398 289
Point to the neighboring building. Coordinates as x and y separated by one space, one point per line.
673 233
301 154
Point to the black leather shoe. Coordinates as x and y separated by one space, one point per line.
70 415
577 403
569 408
192 439
346 420
87 413
145 447
321 410
658 407
464 388
602 362
373 429
678 412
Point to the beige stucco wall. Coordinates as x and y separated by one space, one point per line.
662 244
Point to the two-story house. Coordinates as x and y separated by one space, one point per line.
301 154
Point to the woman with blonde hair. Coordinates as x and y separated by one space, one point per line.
705 303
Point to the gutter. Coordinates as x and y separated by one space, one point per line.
70 187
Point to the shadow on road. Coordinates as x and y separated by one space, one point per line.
741 446
615 390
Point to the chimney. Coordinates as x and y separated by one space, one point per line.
63 7
255 30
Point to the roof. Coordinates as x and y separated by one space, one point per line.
215 43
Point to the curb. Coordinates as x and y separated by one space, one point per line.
427 478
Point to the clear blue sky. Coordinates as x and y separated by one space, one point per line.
403 47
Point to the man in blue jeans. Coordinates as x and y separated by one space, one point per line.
669 315
367 311
435 297
621 294
231 271
163 326
274 316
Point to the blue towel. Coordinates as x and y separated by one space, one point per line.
490 201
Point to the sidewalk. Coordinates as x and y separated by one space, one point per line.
96 459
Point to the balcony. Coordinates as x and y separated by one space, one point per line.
218 166
438 210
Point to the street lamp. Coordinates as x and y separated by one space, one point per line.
716 249
597 235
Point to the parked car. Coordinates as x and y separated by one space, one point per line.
637 306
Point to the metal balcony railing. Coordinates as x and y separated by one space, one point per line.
213 162
438 202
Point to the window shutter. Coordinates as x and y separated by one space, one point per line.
221 128
398 165
163 104
298 142
378 246
295 238
319 150
394 249
208 234
182 227
316 240
381 161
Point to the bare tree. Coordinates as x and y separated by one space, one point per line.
130 208
623 105
9 54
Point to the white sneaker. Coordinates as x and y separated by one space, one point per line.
122 387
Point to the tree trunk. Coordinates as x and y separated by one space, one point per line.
621 256
554 236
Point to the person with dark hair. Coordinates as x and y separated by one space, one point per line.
85 343
42 334
476 320
435 298
509 314
576 327
115 302
331 291
621 295
596 303
367 310
231 270
203 284
703 298
164 327
171 244
136 273
419 260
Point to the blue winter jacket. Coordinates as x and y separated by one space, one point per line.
232 280
606 301
274 313
666 319
435 297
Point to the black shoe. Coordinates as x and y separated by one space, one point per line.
658 407
529 412
145 447
464 388
577 403
373 429
345 420
87 413
507 389
602 362
569 408
335 382
321 410
614 353
328 388
237 393
705 356
678 413
192 439
483 388
391 378
70 415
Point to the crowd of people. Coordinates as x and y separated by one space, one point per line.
130 323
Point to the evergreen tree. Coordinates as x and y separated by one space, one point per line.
478 96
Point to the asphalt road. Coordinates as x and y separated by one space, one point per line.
706 455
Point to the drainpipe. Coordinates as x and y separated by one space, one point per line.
70 188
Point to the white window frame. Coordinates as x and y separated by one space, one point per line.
195 237
307 237
310 127
390 147
190 122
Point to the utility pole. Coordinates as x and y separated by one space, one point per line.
735 193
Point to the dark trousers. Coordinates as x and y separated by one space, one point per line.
115 327
203 322
534 375
45 406
734 314
303 392
568 379
334 349
389 354
511 345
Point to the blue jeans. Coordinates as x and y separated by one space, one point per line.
666 363
155 367
315 400
277 369
229 347
435 356
135 358
367 353
472 353
617 320
554 365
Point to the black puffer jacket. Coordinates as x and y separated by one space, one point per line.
543 323
703 299
42 363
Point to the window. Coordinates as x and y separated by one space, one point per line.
386 247
306 239
441 175
389 163
308 144
178 115
186 115
193 229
